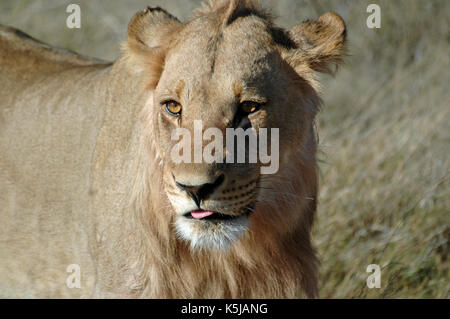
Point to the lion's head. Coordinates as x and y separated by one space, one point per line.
231 67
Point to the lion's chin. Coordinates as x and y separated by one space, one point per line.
211 234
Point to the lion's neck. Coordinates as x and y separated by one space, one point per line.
268 262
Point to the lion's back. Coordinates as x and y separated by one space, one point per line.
21 53
49 120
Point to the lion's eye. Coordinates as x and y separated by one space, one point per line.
173 108
250 107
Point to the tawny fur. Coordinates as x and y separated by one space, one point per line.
88 189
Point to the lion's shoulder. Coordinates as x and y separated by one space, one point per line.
20 52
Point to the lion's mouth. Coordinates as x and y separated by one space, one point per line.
208 215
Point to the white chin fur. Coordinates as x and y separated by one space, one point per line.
206 235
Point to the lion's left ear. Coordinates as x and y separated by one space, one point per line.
320 44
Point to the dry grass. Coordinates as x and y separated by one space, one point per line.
385 189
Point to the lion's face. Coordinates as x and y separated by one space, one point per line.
237 80
219 76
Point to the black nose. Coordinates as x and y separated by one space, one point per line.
201 192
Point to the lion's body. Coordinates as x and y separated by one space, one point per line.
83 181
47 137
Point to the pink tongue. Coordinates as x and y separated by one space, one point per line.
201 214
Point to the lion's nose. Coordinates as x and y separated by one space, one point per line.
201 192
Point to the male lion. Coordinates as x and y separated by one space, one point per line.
88 186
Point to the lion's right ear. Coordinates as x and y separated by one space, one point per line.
149 28
148 33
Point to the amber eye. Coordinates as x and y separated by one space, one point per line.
250 107
173 108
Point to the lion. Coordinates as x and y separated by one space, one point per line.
92 205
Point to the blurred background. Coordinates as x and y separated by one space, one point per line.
384 132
